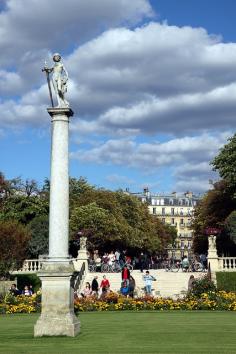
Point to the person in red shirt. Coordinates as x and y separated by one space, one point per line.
105 285
125 275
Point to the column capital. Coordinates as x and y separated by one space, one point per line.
60 111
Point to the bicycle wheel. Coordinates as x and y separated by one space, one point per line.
92 268
105 268
130 267
116 268
174 267
198 267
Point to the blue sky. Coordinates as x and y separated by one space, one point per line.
152 85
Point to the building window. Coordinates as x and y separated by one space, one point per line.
181 221
162 202
163 220
182 244
172 221
163 211
171 202
181 211
172 211
154 210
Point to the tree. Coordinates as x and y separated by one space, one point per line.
39 241
117 220
230 224
23 208
14 239
212 211
225 164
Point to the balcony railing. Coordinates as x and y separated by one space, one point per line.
228 263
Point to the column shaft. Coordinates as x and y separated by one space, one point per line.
59 185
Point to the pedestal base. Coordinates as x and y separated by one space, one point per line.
57 325
57 317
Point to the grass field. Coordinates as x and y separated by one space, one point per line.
127 332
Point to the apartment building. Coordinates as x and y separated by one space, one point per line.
176 210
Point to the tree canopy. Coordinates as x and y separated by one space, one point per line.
225 164
14 239
111 219
115 219
218 206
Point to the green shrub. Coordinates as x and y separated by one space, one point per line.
28 279
226 281
203 285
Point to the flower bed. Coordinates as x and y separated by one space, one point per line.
206 301
213 300
20 304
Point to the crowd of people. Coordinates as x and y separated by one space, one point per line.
143 261
127 286
27 290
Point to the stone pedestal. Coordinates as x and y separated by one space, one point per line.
57 317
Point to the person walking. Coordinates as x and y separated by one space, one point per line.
105 285
125 274
142 262
131 286
148 279
95 286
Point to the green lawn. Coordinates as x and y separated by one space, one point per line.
127 332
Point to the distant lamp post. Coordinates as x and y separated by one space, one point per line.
212 231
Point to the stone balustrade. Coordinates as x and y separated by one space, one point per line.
227 264
35 265
31 266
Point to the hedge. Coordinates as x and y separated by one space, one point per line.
28 279
226 281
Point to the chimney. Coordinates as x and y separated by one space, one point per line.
188 194
146 192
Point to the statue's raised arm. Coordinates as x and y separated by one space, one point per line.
59 81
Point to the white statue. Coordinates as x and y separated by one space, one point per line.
212 242
83 243
59 80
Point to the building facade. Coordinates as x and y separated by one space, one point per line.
175 210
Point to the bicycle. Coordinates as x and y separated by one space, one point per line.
172 266
197 267
93 267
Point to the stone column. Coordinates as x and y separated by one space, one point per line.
57 316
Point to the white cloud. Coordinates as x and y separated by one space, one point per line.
156 78
129 153
124 82
187 158
31 25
